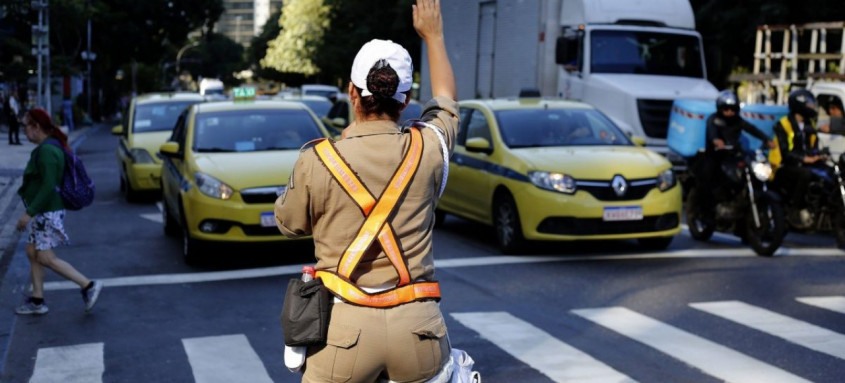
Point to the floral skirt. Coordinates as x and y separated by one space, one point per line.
47 230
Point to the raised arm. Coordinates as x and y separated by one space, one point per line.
429 25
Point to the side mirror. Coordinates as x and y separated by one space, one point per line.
170 149
117 130
479 145
639 141
560 50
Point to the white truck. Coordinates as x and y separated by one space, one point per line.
629 58
787 57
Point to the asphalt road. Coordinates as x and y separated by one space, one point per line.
598 312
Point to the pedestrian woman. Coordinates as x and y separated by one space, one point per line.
368 201
44 216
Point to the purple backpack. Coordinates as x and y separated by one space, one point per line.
76 188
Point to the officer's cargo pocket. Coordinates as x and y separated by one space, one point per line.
430 346
343 340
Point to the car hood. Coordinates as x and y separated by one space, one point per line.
595 162
658 87
150 141
250 169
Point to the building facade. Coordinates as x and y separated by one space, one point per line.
244 19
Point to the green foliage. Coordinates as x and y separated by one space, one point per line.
303 25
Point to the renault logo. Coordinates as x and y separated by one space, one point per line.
620 186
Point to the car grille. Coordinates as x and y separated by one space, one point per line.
602 191
260 195
654 116
596 226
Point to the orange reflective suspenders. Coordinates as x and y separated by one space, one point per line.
375 227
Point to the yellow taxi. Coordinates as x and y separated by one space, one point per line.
341 114
146 125
224 166
542 169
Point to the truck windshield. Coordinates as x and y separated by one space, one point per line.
637 52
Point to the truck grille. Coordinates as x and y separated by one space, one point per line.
654 116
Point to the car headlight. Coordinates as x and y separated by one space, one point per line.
553 181
666 180
140 156
213 187
761 170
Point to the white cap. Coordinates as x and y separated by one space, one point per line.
395 55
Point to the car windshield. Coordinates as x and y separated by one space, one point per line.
654 53
158 116
532 128
412 111
319 107
254 130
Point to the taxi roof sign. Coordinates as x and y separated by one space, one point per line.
243 93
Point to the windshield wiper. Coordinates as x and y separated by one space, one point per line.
214 150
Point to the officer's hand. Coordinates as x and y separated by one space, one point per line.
22 222
719 143
427 20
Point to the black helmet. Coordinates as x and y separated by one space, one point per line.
727 100
802 102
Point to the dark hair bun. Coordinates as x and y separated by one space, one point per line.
382 81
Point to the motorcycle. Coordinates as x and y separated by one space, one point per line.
745 205
825 200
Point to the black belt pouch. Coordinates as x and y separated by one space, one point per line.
306 312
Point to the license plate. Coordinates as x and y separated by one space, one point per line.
268 219
623 213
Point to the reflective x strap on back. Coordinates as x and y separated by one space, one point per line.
376 212
388 298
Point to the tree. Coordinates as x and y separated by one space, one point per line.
303 24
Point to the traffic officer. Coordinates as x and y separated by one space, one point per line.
368 202
797 148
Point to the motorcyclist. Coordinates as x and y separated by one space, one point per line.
724 129
797 150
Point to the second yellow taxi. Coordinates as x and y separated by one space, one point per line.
539 169
224 166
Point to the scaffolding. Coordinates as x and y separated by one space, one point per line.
803 59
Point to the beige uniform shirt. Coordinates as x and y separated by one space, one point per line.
315 204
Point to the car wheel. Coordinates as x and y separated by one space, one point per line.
129 194
507 226
658 243
439 217
191 247
171 227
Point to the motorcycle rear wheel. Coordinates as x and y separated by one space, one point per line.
700 228
839 229
768 238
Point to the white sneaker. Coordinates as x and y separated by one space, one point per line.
90 296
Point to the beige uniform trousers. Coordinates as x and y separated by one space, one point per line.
406 343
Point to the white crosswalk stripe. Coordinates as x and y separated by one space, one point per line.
81 363
709 357
781 326
538 349
224 359
231 358
830 303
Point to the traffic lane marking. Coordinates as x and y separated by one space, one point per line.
215 276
